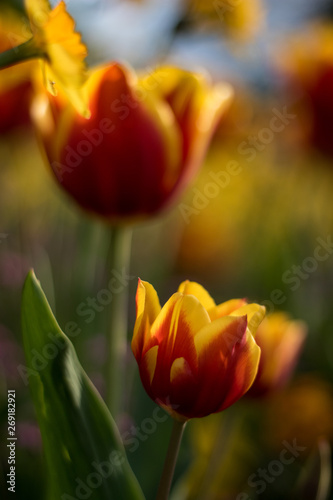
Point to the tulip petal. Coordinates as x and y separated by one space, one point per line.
148 366
183 387
165 121
280 340
54 32
192 288
179 321
229 356
215 345
287 353
38 11
122 180
226 308
227 331
197 106
147 310
174 330
243 371
208 106
179 367
255 314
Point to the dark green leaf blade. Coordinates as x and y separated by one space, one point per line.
84 453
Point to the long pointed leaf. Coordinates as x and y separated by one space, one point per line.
84 453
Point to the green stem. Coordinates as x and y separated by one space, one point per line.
170 460
27 50
119 261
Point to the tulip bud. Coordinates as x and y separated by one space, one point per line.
195 358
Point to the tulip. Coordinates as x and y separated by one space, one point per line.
281 341
58 46
238 19
143 143
195 357
301 411
307 62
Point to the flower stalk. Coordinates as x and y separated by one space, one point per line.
21 53
119 260
170 460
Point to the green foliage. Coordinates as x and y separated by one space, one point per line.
83 449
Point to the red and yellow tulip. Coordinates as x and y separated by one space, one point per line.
143 143
195 357
280 340
307 61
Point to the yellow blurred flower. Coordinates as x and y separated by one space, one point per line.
307 61
240 18
55 42
280 340
302 412
62 49
308 51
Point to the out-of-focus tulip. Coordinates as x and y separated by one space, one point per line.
145 139
62 50
280 340
195 358
307 62
238 18
52 39
15 87
301 412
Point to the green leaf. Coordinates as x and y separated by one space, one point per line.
83 449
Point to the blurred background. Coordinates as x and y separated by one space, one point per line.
257 222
